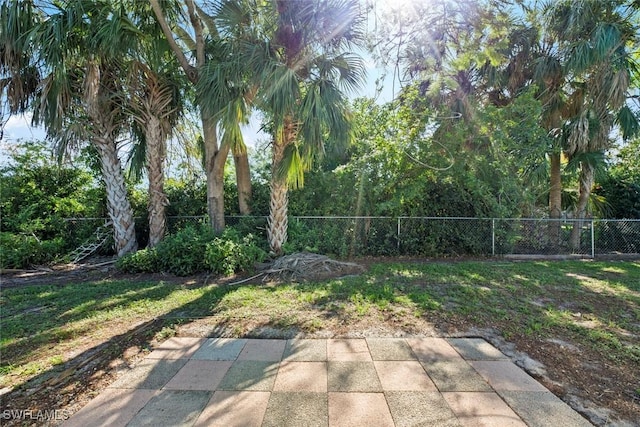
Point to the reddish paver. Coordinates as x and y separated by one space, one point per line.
302 376
348 350
199 375
263 350
177 348
403 375
113 407
482 409
359 409
234 409
504 375
432 349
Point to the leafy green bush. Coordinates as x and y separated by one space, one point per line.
21 251
195 249
231 252
142 261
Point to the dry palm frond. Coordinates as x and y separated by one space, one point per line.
305 266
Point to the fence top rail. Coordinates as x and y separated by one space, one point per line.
432 218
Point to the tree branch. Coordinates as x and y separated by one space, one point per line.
190 71
197 27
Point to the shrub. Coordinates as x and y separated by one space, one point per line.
21 251
142 261
195 249
231 252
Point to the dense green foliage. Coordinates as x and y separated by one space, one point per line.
196 249
37 196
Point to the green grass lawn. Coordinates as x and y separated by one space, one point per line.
591 304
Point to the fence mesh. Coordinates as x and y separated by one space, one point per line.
427 236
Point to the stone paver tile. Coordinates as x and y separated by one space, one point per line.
353 376
150 374
420 409
301 350
199 375
302 376
176 348
504 375
390 349
476 349
296 409
234 409
172 408
543 409
250 375
403 375
348 350
265 350
359 409
451 375
481 409
113 407
220 349
433 349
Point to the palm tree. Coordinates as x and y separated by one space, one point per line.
76 47
201 39
300 58
595 38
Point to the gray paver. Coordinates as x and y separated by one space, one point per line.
420 409
297 409
234 409
476 349
504 375
220 349
264 350
150 374
542 409
176 348
455 376
173 408
250 375
482 409
390 349
301 350
353 376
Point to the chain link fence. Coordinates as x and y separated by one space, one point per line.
348 236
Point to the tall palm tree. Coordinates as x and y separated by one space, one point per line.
200 39
76 46
300 56
595 38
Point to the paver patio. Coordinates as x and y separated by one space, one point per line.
334 382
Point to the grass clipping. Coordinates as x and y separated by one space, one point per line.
305 266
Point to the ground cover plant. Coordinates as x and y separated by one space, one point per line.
63 340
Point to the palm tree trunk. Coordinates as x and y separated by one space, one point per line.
586 183
278 203
155 156
555 199
243 181
215 159
118 206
